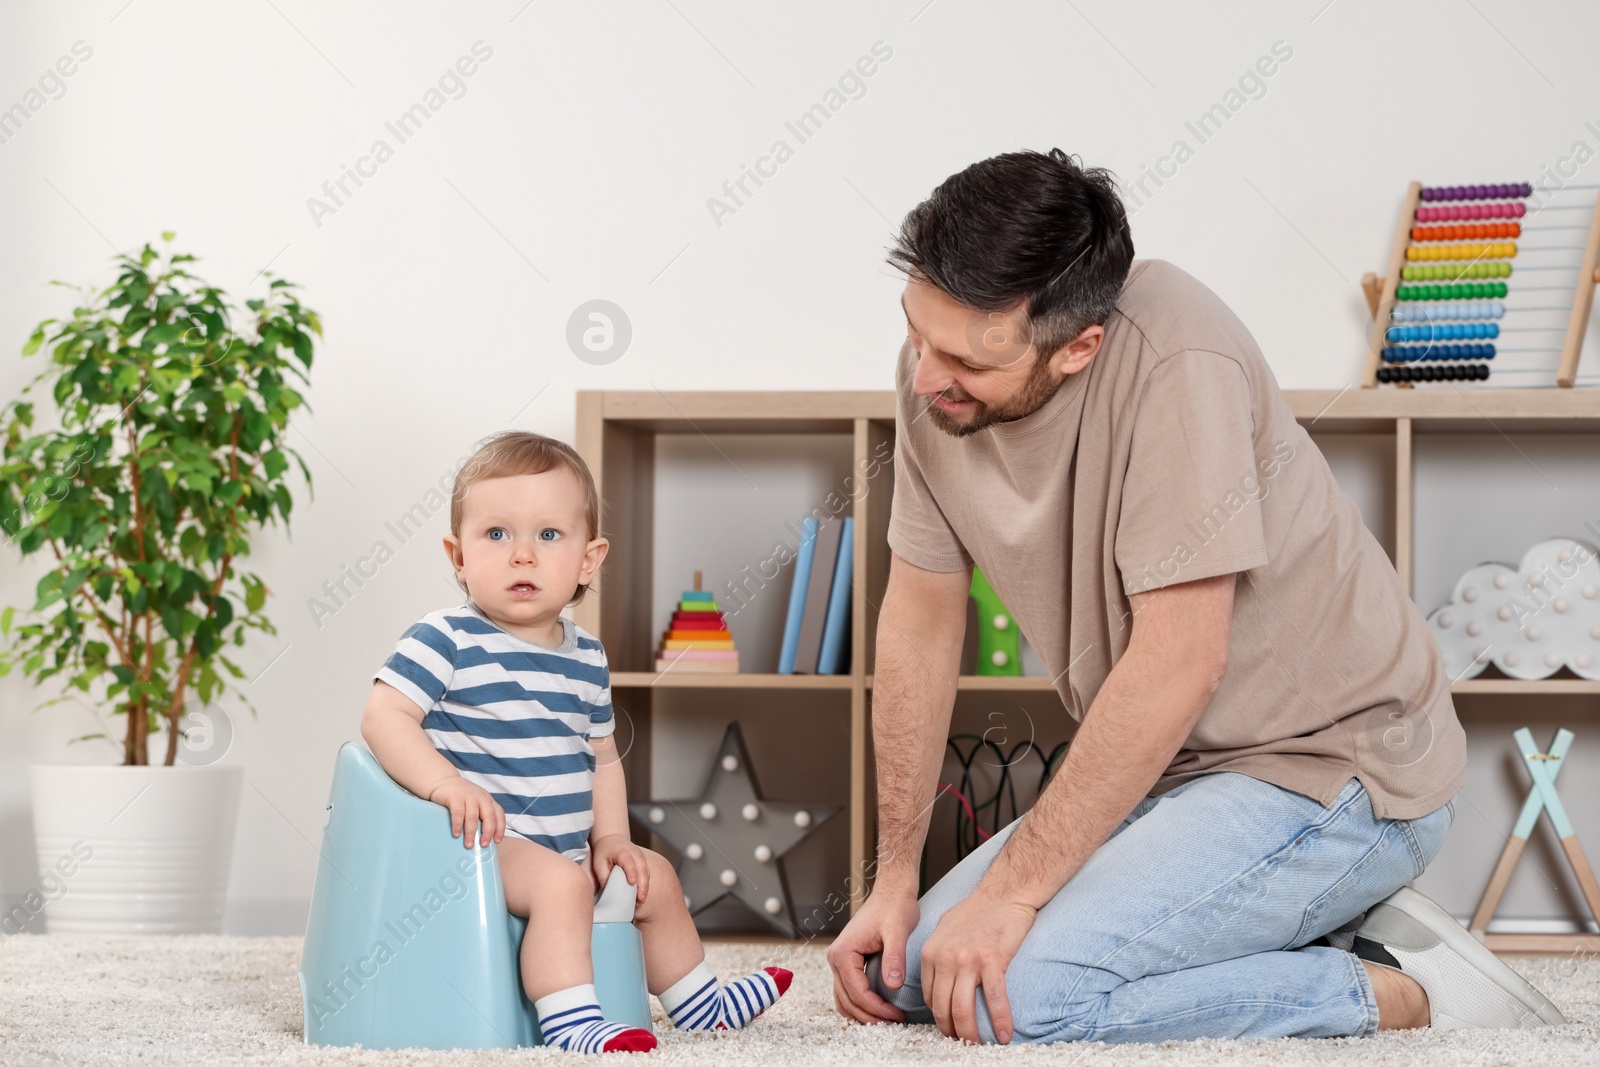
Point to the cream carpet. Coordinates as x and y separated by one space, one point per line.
202 1000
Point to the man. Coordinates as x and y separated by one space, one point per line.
1267 751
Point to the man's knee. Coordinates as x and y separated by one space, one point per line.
1054 998
908 998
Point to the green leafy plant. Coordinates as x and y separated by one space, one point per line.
169 451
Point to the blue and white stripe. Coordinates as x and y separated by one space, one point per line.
512 716
581 1029
714 1006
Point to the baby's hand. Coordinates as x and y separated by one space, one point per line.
617 851
471 807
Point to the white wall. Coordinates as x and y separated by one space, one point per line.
578 165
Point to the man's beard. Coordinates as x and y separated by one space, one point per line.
1040 386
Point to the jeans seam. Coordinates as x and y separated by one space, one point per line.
1266 863
1410 837
1312 908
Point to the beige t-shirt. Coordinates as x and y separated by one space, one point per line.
1173 457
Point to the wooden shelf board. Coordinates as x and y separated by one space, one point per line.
1448 410
746 412
1352 410
673 679
993 684
1513 685
1552 686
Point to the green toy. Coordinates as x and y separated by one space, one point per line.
999 642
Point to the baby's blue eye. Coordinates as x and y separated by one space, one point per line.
548 530
494 531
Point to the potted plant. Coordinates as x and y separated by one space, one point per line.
167 451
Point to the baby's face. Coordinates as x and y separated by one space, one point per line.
524 549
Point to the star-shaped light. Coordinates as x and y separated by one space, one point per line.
730 839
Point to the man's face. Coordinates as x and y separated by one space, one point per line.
979 368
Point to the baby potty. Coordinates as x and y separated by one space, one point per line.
410 945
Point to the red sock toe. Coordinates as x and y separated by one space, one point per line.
781 977
634 1040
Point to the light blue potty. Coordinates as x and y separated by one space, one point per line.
410 944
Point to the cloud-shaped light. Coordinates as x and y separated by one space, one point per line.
1529 621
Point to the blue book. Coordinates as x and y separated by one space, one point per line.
837 626
797 595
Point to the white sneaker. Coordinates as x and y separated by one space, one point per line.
1467 985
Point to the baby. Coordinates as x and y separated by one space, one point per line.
500 710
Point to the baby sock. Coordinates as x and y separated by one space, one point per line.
697 1001
570 1019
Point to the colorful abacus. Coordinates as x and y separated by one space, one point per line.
697 638
1437 313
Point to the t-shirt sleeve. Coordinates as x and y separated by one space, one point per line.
421 665
1191 499
919 532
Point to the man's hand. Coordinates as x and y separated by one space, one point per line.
472 809
972 946
884 923
615 850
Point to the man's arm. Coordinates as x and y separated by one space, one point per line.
1145 710
1149 704
920 631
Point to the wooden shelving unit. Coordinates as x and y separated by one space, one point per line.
616 433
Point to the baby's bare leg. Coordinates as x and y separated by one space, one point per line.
671 943
557 898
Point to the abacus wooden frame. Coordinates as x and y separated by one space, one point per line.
616 434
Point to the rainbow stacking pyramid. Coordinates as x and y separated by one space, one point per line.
697 638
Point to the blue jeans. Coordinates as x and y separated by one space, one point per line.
1196 919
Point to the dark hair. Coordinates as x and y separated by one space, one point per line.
1024 225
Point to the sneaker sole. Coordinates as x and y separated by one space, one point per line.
1393 922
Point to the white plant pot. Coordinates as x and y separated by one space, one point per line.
133 850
